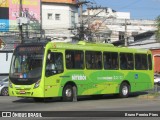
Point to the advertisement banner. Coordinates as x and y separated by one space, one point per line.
9 12
4 3
4 25
31 9
4 13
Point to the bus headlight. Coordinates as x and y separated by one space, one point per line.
10 84
37 84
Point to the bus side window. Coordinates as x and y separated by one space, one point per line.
110 60
123 61
54 63
74 59
126 61
141 62
93 60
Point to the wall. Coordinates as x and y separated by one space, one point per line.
5 64
10 8
55 9
123 15
156 57
53 27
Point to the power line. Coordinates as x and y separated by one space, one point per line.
132 3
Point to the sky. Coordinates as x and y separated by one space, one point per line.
139 9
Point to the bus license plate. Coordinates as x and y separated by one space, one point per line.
22 92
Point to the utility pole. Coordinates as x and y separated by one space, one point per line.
81 23
125 34
41 32
20 25
81 32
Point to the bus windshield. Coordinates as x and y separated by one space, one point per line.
27 62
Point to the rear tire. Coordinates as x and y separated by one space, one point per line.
4 91
68 93
124 90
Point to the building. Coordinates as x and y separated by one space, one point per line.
58 18
108 25
147 40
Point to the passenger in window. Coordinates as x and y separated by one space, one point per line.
130 65
88 64
50 63
78 62
69 64
99 63
123 64
59 62
107 64
114 64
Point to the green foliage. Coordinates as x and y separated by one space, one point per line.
158 28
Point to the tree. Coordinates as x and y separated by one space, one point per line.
158 28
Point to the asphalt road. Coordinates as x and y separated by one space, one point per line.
107 103
96 107
139 102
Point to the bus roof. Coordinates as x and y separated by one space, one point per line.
82 45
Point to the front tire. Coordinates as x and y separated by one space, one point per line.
68 93
124 90
4 91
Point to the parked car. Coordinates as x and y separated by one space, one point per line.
4 87
157 79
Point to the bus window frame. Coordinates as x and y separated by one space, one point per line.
117 60
141 67
86 62
73 60
150 63
127 62
55 72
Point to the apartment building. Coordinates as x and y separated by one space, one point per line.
58 18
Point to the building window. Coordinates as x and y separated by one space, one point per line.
73 18
50 17
57 16
121 35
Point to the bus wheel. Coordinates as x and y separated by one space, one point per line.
68 93
124 90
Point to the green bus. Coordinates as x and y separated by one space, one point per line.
68 70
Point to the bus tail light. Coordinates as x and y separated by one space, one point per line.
37 84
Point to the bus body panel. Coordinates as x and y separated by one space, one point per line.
88 82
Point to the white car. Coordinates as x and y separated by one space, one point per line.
4 87
157 79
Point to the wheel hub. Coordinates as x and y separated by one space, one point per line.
68 92
125 90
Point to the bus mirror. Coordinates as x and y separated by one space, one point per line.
6 56
49 55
